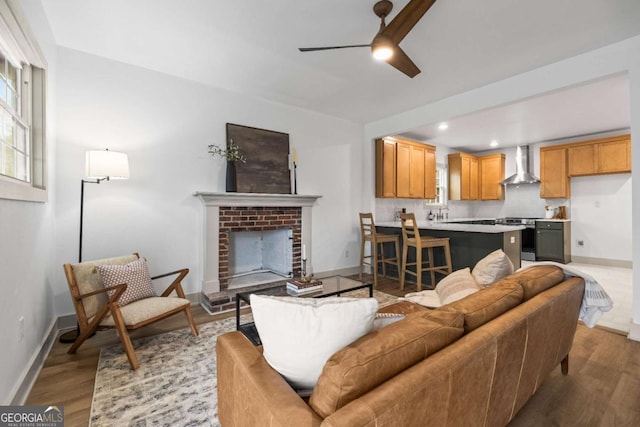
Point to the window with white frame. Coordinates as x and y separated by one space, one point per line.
441 187
15 147
22 109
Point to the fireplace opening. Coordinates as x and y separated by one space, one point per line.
257 257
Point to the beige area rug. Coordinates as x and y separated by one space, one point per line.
176 382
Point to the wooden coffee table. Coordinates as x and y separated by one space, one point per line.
331 286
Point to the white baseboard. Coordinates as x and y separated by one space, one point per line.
634 331
32 369
602 261
348 271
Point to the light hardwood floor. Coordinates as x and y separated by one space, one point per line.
602 388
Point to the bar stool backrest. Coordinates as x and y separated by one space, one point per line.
367 226
410 232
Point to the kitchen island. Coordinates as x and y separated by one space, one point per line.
469 242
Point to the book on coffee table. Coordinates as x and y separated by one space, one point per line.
299 287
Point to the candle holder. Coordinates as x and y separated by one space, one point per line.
303 273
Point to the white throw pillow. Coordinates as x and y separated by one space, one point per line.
453 287
492 268
427 298
456 285
300 334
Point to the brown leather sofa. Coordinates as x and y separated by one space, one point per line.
474 362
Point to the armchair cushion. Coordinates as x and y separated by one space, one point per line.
145 309
135 275
89 280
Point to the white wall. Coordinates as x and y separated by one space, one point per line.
601 216
165 125
26 244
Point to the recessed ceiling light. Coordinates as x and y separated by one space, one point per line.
443 126
494 143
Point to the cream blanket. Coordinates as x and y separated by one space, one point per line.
595 300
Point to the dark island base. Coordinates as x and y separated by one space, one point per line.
467 248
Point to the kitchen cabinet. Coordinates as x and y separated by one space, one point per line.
553 241
586 158
491 173
385 168
582 160
614 156
463 177
417 171
476 177
430 174
405 169
554 177
600 156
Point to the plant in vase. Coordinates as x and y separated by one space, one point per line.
232 154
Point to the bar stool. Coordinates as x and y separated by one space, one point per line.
369 234
411 237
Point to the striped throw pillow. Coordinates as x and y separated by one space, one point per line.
456 285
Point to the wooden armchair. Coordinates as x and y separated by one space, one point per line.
95 308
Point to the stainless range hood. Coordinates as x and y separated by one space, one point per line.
522 175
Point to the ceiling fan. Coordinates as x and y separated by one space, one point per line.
384 45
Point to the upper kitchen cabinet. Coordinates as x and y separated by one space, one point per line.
385 168
491 173
430 173
476 178
463 177
600 156
554 179
594 157
405 169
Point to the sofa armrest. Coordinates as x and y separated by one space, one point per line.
251 393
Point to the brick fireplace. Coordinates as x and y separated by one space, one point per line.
225 213
258 218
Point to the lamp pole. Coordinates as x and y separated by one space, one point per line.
71 336
82 182
101 166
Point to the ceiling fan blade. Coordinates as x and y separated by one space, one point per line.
313 49
406 19
402 62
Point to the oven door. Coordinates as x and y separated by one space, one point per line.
529 243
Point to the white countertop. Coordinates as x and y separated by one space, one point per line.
554 220
469 228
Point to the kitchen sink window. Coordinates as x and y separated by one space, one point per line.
441 188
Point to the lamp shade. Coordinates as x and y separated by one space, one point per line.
107 164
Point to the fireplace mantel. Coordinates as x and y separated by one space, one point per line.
255 199
214 203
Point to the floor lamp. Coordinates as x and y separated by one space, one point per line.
99 166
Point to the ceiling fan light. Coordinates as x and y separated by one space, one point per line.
381 48
382 53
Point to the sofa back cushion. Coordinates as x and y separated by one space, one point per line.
488 303
537 279
380 355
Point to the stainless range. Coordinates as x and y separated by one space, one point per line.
528 251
